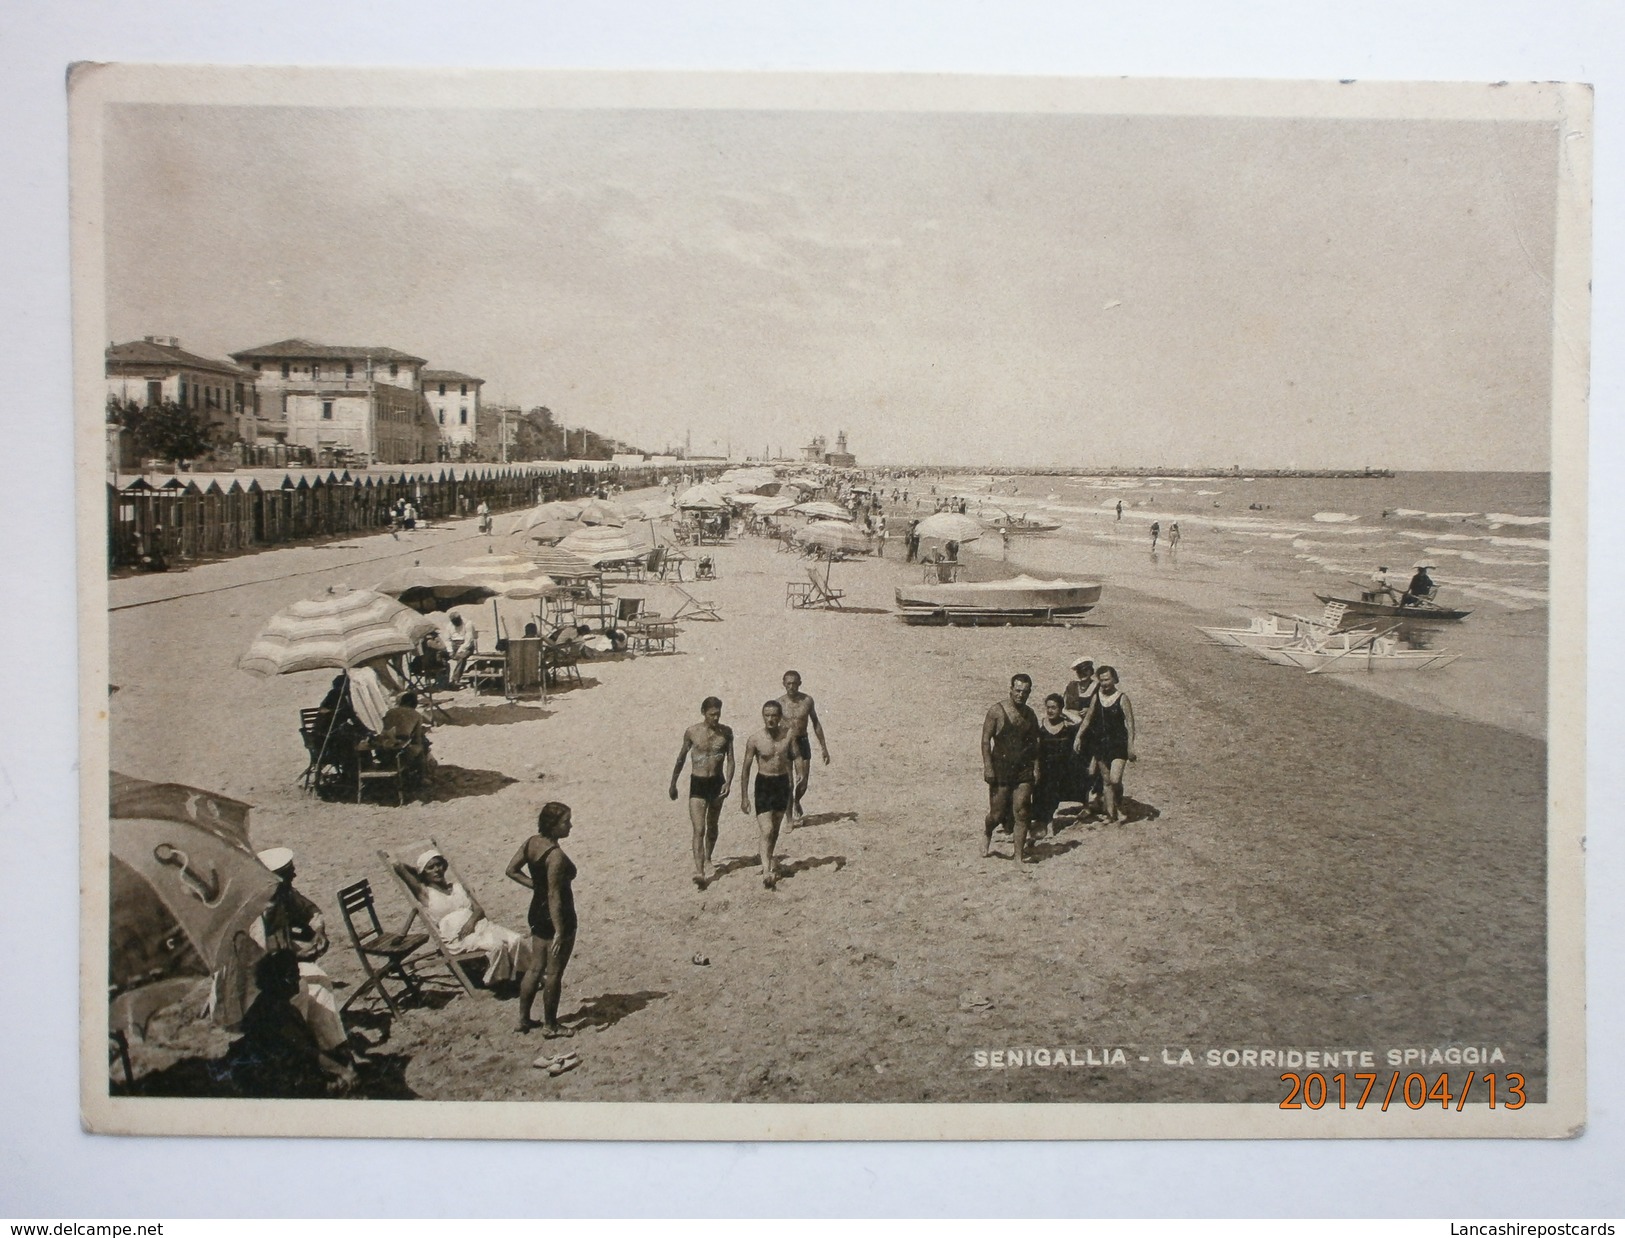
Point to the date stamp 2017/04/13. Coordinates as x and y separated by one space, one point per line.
1414 1091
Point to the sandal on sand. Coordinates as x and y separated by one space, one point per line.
558 1033
556 1066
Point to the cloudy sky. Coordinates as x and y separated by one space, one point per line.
963 288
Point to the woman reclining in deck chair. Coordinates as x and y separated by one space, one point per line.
461 921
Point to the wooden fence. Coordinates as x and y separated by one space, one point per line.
189 522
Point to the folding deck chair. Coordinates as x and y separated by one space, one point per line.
382 954
821 595
454 962
693 607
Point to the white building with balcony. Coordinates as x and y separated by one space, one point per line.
358 404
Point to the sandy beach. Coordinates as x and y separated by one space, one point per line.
1307 865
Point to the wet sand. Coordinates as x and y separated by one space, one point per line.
1310 865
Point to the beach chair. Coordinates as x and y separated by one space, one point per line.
324 768
561 609
654 636
454 962
376 763
693 607
671 565
562 661
797 593
523 667
382 954
821 594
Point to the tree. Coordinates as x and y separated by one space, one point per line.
167 431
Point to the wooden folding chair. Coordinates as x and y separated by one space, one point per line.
797 593
316 729
671 563
693 607
821 594
454 962
378 764
372 944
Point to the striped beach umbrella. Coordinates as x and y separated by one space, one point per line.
557 511
561 564
833 535
825 510
602 544
509 576
598 511
341 629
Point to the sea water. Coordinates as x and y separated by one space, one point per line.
1253 545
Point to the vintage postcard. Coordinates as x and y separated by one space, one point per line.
830 607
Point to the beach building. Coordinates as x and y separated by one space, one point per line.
156 369
818 452
351 404
454 400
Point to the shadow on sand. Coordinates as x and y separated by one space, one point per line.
453 782
837 862
493 715
610 1009
823 818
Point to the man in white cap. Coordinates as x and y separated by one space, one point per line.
293 923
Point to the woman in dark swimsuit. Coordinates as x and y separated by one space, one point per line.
542 868
1111 725
1056 766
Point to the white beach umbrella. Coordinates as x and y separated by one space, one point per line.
777 503
703 497
654 509
341 629
950 527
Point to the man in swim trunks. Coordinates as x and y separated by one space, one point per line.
709 781
1009 760
771 750
799 713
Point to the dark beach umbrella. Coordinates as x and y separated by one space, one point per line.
427 589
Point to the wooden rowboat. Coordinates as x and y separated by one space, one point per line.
1424 612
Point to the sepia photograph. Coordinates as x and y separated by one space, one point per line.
830 606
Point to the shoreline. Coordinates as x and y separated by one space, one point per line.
1272 892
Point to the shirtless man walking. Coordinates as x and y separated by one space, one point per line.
799 713
770 750
709 781
1009 759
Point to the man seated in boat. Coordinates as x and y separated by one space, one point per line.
1381 590
1421 589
